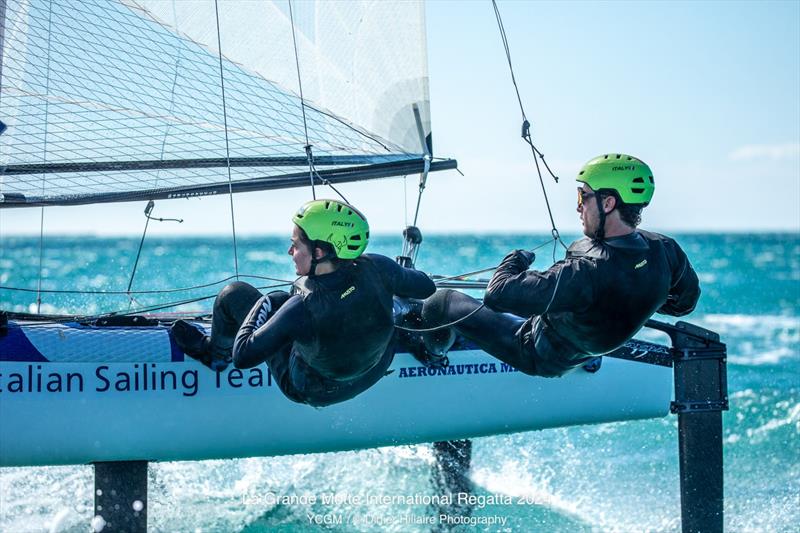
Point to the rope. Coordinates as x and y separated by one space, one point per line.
443 326
171 98
526 127
467 274
555 290
327 182
227 145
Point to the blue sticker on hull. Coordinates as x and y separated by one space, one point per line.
15 346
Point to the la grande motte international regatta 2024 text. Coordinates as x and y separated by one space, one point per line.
447 508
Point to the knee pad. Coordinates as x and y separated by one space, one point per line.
236 287
434 309
278 298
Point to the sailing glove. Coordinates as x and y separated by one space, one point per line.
524 256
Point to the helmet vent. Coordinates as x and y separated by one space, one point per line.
353 247
651 179
327 205
638 180
581 173
355 238
637 190
619 156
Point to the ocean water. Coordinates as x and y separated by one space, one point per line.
610 477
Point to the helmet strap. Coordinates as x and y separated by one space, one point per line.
600 234
314 260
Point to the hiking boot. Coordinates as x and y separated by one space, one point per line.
190 339
196 344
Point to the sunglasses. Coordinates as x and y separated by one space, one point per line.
583 196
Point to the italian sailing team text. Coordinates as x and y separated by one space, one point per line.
135 378
154 377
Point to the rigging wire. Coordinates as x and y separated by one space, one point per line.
227 145
281 283
309 154
526 130
147 211
151 204
405 200
138 254
419 201
41 256
147 309
44 179
312 169
167 305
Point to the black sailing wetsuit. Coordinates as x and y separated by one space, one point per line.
588 304
328 341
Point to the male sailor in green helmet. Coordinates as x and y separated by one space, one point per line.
332 337
547 323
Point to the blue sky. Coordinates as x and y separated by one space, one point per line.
707 93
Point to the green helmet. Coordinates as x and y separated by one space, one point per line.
628 176
337 223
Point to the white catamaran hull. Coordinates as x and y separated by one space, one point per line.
74 394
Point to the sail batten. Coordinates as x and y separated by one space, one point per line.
120 99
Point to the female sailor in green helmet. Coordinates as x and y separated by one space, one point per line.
332 337
590 303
